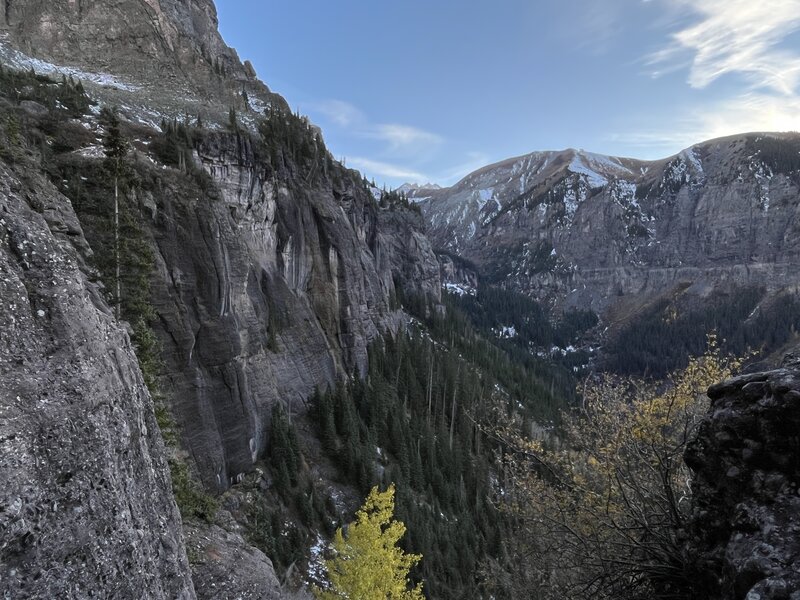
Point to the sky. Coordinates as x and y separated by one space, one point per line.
430 90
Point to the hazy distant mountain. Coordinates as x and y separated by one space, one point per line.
416 189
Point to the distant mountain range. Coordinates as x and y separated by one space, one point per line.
584 230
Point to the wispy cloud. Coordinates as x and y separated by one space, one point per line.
339 112
397 145
399 136
737 36
474 161
383 169
712 39
749 112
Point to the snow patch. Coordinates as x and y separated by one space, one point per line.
460 289
484 196
506 332
579 167
16 59
690 156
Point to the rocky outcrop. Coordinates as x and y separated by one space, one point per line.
225 567
745 528
590 231
267 287
86 506
270 280
154 58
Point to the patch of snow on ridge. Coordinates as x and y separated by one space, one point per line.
316 567
18 60
690 156
579 167
506 332
484 197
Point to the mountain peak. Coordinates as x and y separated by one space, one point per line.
167 58
407 188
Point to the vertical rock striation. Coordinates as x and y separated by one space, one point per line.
267 287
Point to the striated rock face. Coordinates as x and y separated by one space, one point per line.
268 287
589 231
403 249
153 58
745 529
86 506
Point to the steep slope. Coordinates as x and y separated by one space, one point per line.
589 231
273 276
86 507
255 270
151 58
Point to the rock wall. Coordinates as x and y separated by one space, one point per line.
149 58
268 287
744 536
86 506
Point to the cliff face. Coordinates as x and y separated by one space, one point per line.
270 279
151 58
86 507
269 288
745 531
584 230
269 283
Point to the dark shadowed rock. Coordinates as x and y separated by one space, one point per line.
745 530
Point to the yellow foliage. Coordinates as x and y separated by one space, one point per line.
611 496
368 564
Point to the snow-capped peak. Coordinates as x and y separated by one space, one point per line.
408 188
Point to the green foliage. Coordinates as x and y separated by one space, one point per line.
290 144
603 513
368 563
66 97
174 147
191 498
269 530
284 450
662 338
394 200
233 120
494 307
540 387
412 422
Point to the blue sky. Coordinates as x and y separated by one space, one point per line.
429 90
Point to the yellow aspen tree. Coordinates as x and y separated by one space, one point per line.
368 564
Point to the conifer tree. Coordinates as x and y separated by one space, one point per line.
116 150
